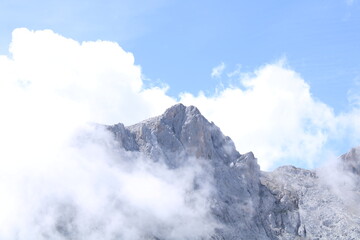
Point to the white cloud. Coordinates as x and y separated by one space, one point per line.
87 191
217 71
274 115
100 75
53 182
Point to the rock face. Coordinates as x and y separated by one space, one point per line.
288 203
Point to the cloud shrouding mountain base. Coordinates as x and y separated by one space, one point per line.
62 178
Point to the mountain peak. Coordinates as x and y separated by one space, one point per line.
180 131
351 160
181 109
248 204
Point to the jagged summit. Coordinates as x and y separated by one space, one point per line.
172 113
175 115
180 131
180 108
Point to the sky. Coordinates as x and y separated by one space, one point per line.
280 78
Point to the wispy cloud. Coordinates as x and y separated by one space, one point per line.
350 2
217 71
236 72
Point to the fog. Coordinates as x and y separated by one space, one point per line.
338 176
73 182
64 177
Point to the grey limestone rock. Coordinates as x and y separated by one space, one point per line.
351 160
288 203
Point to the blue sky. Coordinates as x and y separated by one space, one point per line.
180 43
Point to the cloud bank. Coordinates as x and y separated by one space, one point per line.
270 111
82 189
100 75
273 108
64 178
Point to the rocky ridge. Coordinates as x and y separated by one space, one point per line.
288 203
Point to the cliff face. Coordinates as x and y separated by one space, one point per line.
182 133
288 203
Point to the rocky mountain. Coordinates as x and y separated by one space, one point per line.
247 203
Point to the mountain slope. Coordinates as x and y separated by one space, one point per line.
288 203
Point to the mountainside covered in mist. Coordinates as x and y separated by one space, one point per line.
242 202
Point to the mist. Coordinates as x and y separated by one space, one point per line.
69 180
339 176
64 177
